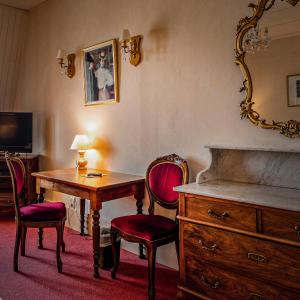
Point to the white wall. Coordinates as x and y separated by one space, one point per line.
13 25
183 95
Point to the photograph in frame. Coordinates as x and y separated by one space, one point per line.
293 88
100 73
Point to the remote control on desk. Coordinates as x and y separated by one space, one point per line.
94 175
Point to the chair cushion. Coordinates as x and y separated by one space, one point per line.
163 178
147 227
50 211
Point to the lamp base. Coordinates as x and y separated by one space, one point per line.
80 167
82 162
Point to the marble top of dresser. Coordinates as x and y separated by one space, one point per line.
271 196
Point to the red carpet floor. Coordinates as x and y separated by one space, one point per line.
38 277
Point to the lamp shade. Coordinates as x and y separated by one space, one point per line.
81 142
61 53
125 34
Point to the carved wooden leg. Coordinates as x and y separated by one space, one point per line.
63 246
96 241
82 216
40 240
23 240
40 197
116 251
141 252
139 206
17 246
59 230
40 232
151 253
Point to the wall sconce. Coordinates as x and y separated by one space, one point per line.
69 66
131 45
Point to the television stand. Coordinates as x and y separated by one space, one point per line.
31 163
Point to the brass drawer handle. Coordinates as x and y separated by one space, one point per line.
257 257
205 246
217 215
257 297
297 229
215 285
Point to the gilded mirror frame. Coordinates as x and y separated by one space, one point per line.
289 128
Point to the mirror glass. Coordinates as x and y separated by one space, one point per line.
273 59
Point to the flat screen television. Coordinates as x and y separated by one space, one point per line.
16 132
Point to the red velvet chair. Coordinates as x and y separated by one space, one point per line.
153 230
39 215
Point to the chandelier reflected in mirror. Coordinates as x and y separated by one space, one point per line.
256 39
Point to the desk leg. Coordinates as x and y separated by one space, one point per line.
139 205
40 233
96 242
82 219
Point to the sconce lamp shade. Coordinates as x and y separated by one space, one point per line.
125 34
81 142
61 54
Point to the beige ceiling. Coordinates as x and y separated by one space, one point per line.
23 4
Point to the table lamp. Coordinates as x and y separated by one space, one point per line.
81 143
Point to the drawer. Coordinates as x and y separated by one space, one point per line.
265 260
6 198
219 284
281 224
226 214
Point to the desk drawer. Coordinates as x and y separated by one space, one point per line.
227 214
216 283
281 224
265 260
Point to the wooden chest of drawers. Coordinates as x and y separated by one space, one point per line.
233 250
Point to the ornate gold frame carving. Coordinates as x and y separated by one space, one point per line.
289 128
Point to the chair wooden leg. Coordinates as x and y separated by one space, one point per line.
40 240
23 240
116 251
151 254
17 246
40 233
63 245
59 229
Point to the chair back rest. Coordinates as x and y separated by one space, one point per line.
162 176
17 173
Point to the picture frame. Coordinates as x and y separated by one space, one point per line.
293 90
100 73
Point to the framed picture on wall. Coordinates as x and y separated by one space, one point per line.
293 87
100 73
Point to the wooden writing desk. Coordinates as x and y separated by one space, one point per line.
97 190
